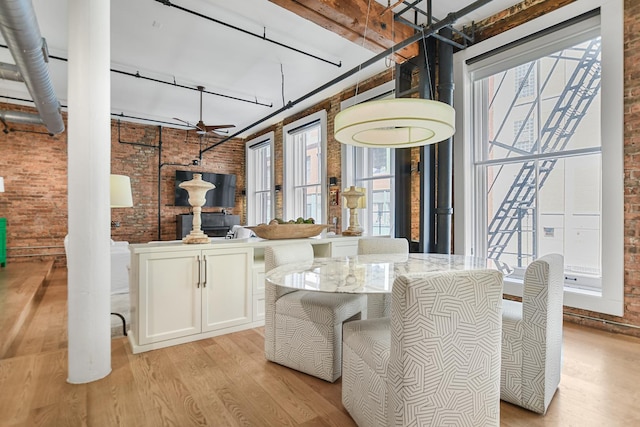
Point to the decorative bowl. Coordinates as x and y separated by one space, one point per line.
287 231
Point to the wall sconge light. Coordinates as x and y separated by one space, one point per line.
355 199
333 181
278 188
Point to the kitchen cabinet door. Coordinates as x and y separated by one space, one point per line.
226 288
170 294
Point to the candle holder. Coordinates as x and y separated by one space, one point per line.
197 189
354 200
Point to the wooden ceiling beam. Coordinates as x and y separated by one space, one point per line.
349 18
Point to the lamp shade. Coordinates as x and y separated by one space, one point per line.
395 123
1 184
121 192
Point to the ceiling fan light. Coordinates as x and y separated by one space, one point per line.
395 123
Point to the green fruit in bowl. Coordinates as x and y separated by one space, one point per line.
300 220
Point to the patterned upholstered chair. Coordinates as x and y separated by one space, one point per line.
303 329
435 361
379 305
532 337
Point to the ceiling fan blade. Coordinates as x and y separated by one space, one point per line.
184 121
214 127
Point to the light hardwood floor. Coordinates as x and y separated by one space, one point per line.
225 381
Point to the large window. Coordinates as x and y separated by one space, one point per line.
373 170
260 180
544 154
305 194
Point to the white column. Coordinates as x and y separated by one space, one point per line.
89 162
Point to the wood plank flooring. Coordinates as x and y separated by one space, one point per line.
225 381
20 289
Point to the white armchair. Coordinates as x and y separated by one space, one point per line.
532 337
435 361
303 329
379 305
120 259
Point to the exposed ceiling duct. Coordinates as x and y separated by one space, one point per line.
20 30
20 117
10 72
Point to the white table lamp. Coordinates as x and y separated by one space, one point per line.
121 192
355 199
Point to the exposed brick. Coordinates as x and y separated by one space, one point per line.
37 213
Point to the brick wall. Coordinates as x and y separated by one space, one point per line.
34 166
37 212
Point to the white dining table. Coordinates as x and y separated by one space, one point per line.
370 273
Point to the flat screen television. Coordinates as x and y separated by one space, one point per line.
223 196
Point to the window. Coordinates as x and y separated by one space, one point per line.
544 174
305 194
523 135
525 80
373 170
260 186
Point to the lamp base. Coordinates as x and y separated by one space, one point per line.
350 232
196 237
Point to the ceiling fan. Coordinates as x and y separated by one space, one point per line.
200 127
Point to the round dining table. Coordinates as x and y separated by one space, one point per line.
370 273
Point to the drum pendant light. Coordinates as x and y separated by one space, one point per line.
395 123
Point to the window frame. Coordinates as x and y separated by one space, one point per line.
349 159
288 205
251 213
611 12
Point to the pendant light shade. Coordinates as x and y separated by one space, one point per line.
395 123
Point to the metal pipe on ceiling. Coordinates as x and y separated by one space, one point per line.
20 117
428 31
10 72
242 30
173 83
20 30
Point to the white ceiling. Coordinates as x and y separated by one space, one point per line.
166 43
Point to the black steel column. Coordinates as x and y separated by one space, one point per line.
402 186
444 206
427 59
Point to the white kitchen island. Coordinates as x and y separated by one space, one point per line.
181 293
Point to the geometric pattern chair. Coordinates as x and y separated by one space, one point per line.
435 361
379 305
303 329
532 337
